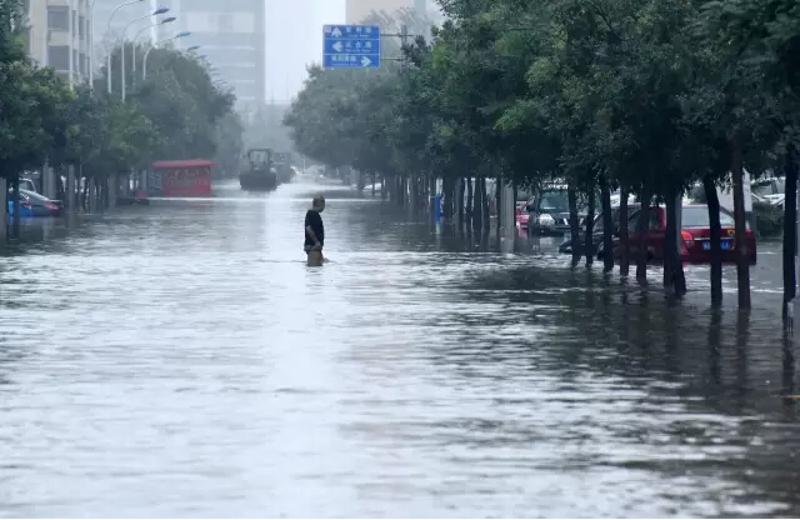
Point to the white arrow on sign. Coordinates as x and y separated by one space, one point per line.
366 62
336 32
338 46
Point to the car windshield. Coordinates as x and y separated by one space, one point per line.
697 217
33 195
555 201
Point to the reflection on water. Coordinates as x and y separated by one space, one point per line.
181 360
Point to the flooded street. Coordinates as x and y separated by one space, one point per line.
181 360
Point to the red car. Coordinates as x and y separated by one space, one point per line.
695 245
523 217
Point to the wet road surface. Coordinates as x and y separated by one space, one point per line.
181 360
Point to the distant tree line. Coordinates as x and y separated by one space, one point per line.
178 112
645 96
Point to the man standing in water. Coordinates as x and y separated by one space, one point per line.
315 232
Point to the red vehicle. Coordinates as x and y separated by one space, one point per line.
190 178
695 243
523 217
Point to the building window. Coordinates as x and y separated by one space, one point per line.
58 18
81 27
58 57
75 64
74 22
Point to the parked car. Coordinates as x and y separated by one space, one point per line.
522 215
771 190
597 233
549 211
695 243
33 204
27 184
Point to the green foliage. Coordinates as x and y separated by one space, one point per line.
651 94
177 113
33 103
183 104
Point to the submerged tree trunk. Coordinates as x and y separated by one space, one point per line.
85 194
712 200
498 203
15 202
642 229
624 242
3 204
485 205
608 225
789 231
460 202
742 253
674 278
574 225
589 238
477 205
447 205
470 200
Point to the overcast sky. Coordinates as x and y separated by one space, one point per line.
294 40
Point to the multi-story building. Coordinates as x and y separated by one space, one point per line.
104 32
231 36
59 36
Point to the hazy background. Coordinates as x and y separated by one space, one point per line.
294 40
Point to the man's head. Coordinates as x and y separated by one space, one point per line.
318 204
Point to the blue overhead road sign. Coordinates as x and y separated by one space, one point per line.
351 46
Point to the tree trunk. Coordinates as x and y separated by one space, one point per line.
449 200
85 194
789 231
374 180
712 200
588 243
574 225
15 223
4 205
485 206
477 207
742 253
384 188
498 201
674 278
462 186
608 225
69 192
470 199
624 242
642 230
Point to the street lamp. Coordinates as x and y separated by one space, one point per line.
108 31
147 54
143 29
157 12
91 45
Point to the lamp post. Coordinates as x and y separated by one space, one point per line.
139 33
147 54
91 45
161 10
108 31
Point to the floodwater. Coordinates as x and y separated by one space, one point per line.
181 360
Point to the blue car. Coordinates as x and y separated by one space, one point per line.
33 204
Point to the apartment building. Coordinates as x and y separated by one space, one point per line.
231 36
59 36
